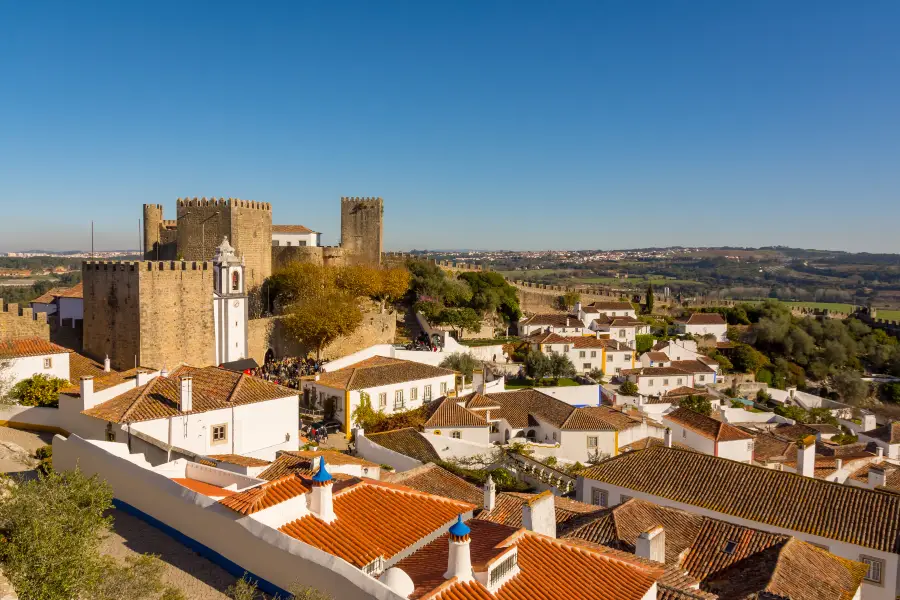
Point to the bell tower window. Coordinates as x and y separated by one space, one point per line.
235 282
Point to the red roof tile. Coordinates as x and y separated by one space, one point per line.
23 347
266 495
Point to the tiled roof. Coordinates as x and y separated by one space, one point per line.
595 342
889 433
432 479
373 519
240 460
508 509
445 412
706 426
550 569
266 495
658 356
542 337
300 462
476 401
291 229
554 320
377 371
607 306
892 475
201 487
48 296
516 407
649 442
692 366
76 291
82 366
213 389
619 321
408 442
22 347
685 391
655 371
704 319
776 498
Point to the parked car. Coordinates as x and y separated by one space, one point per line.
330 425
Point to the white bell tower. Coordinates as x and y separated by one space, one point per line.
229 305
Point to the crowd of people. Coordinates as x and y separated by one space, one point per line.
288 371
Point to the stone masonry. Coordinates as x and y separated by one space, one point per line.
18 322
362 230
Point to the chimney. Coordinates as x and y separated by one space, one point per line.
143 378
667 437
652 544
164 372
459 560
87 389
598 337
806 456
879 452
578 308
868 422
106 366
490 494
539 514
321 502
567 321
877 476
186 397
838 464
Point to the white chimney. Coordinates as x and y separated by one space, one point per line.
186 397
877 476
567 321
321 501
143 378
87 390
652 544
806 456
598 335
879 452
539 514
490 494
667 437
106 365
578 308
459 560
868 422
838 464
164 372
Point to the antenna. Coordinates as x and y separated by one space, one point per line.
92 240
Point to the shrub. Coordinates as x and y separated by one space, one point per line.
629 388
39 390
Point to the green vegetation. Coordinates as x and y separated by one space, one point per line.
38 390
489 342
463 363
698 404
516 384
376 421
555 366
246 589
629 388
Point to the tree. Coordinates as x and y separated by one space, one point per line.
792 412
724 364
460 319
38 390
568 300
537 366
891 392
319 323
6 382
138 579
359 280
650 299
698 404
597 375
850 386
246 589
394 285
643 342
747 359
629 388
561 366
462 362
299 281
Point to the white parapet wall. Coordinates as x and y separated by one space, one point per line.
237 543
576 395
371 451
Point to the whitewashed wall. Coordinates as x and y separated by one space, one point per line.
28 366
371 451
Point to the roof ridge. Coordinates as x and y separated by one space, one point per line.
237 386
140 397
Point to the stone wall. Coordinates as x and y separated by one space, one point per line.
251 236
16 322
111 311
284 255
362 230
269 333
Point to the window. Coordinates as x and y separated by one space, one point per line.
301 243
494 428
235 281
219 434
413 394
276 243
750 446
443 388
730 546
288 243
382 400
621 333
592 442
110 434
678 381
48 363
456 435
582 354
593 354
599 497
618 370
609 358
649 383
554 436
501 570
665 382
426 393
875 573
701 377
566 348
398 399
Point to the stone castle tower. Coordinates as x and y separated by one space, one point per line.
362 230
200 227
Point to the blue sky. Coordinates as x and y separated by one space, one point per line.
482 124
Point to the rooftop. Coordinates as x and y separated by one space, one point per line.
432 479
266 495
889 433
704 319
24 347
445 412
508 509
301 462
299 229
240 460
83 366
517 406
406 441
378 371
706 426
595 307
76 291
553 320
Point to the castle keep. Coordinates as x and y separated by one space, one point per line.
362 230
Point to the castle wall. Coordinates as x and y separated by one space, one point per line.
18 322
334 256
251 236
202 223
284 255
362 230
111 324
160 236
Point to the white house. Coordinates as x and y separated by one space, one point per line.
562 324
709 436
655 381
22 358
678 349
447 417
594 310
46 302
295 235
886 437
70 303
623 329
586 352
392 384
703 324
851 522
202 410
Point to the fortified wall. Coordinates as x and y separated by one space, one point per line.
18 322
362 230
149 313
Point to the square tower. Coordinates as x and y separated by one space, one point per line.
362 230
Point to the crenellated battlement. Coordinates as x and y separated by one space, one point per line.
169 223
22 322
147 265
229 202
358 199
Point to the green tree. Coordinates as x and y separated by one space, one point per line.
643 342
890 392
628 388
358 280
462 362
850 386
460 319
792 412
319 323
38 390
698 404
537 366
560 366
597 375
724 363
650 299
568 300
747 359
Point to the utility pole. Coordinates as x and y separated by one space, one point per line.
92 240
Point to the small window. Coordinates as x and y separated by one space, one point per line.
875 574
382 400
582 354
48 363
679 381
495 428
456 435
586 366
110 434
730 547
413 394
621 333
701 377
566 348
649 383
443 388
426 393
609 358
684 433
219 434
593 354
592 442
398 399
235 282
599 497
665 382
554 436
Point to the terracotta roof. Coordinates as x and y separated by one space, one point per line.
657 356
48 296
23 347
549 569
655 372
373 519
706 426
823 428
240 460
408 442
692 366
889 433
553 320
704 319
445 412
892 475
476 401
82 366
543 337
291 229
432 479
76 291
207 489
606 306
377 371
517 406
606 320
649 442
213 389
685 391
816 507
301 462
508 509
595 342
266 495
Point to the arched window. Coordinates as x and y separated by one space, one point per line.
235 282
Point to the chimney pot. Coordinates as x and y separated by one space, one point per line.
87 389
490 494
879 452
106 366
877 476
321 500
651 544
186 397
459 559
838 464
667 437
806 456
539 514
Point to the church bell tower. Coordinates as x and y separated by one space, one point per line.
229 305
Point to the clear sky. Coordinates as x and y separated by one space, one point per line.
521 125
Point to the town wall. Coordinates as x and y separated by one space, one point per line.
160 236
16 322
251 236
362 230
111 323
